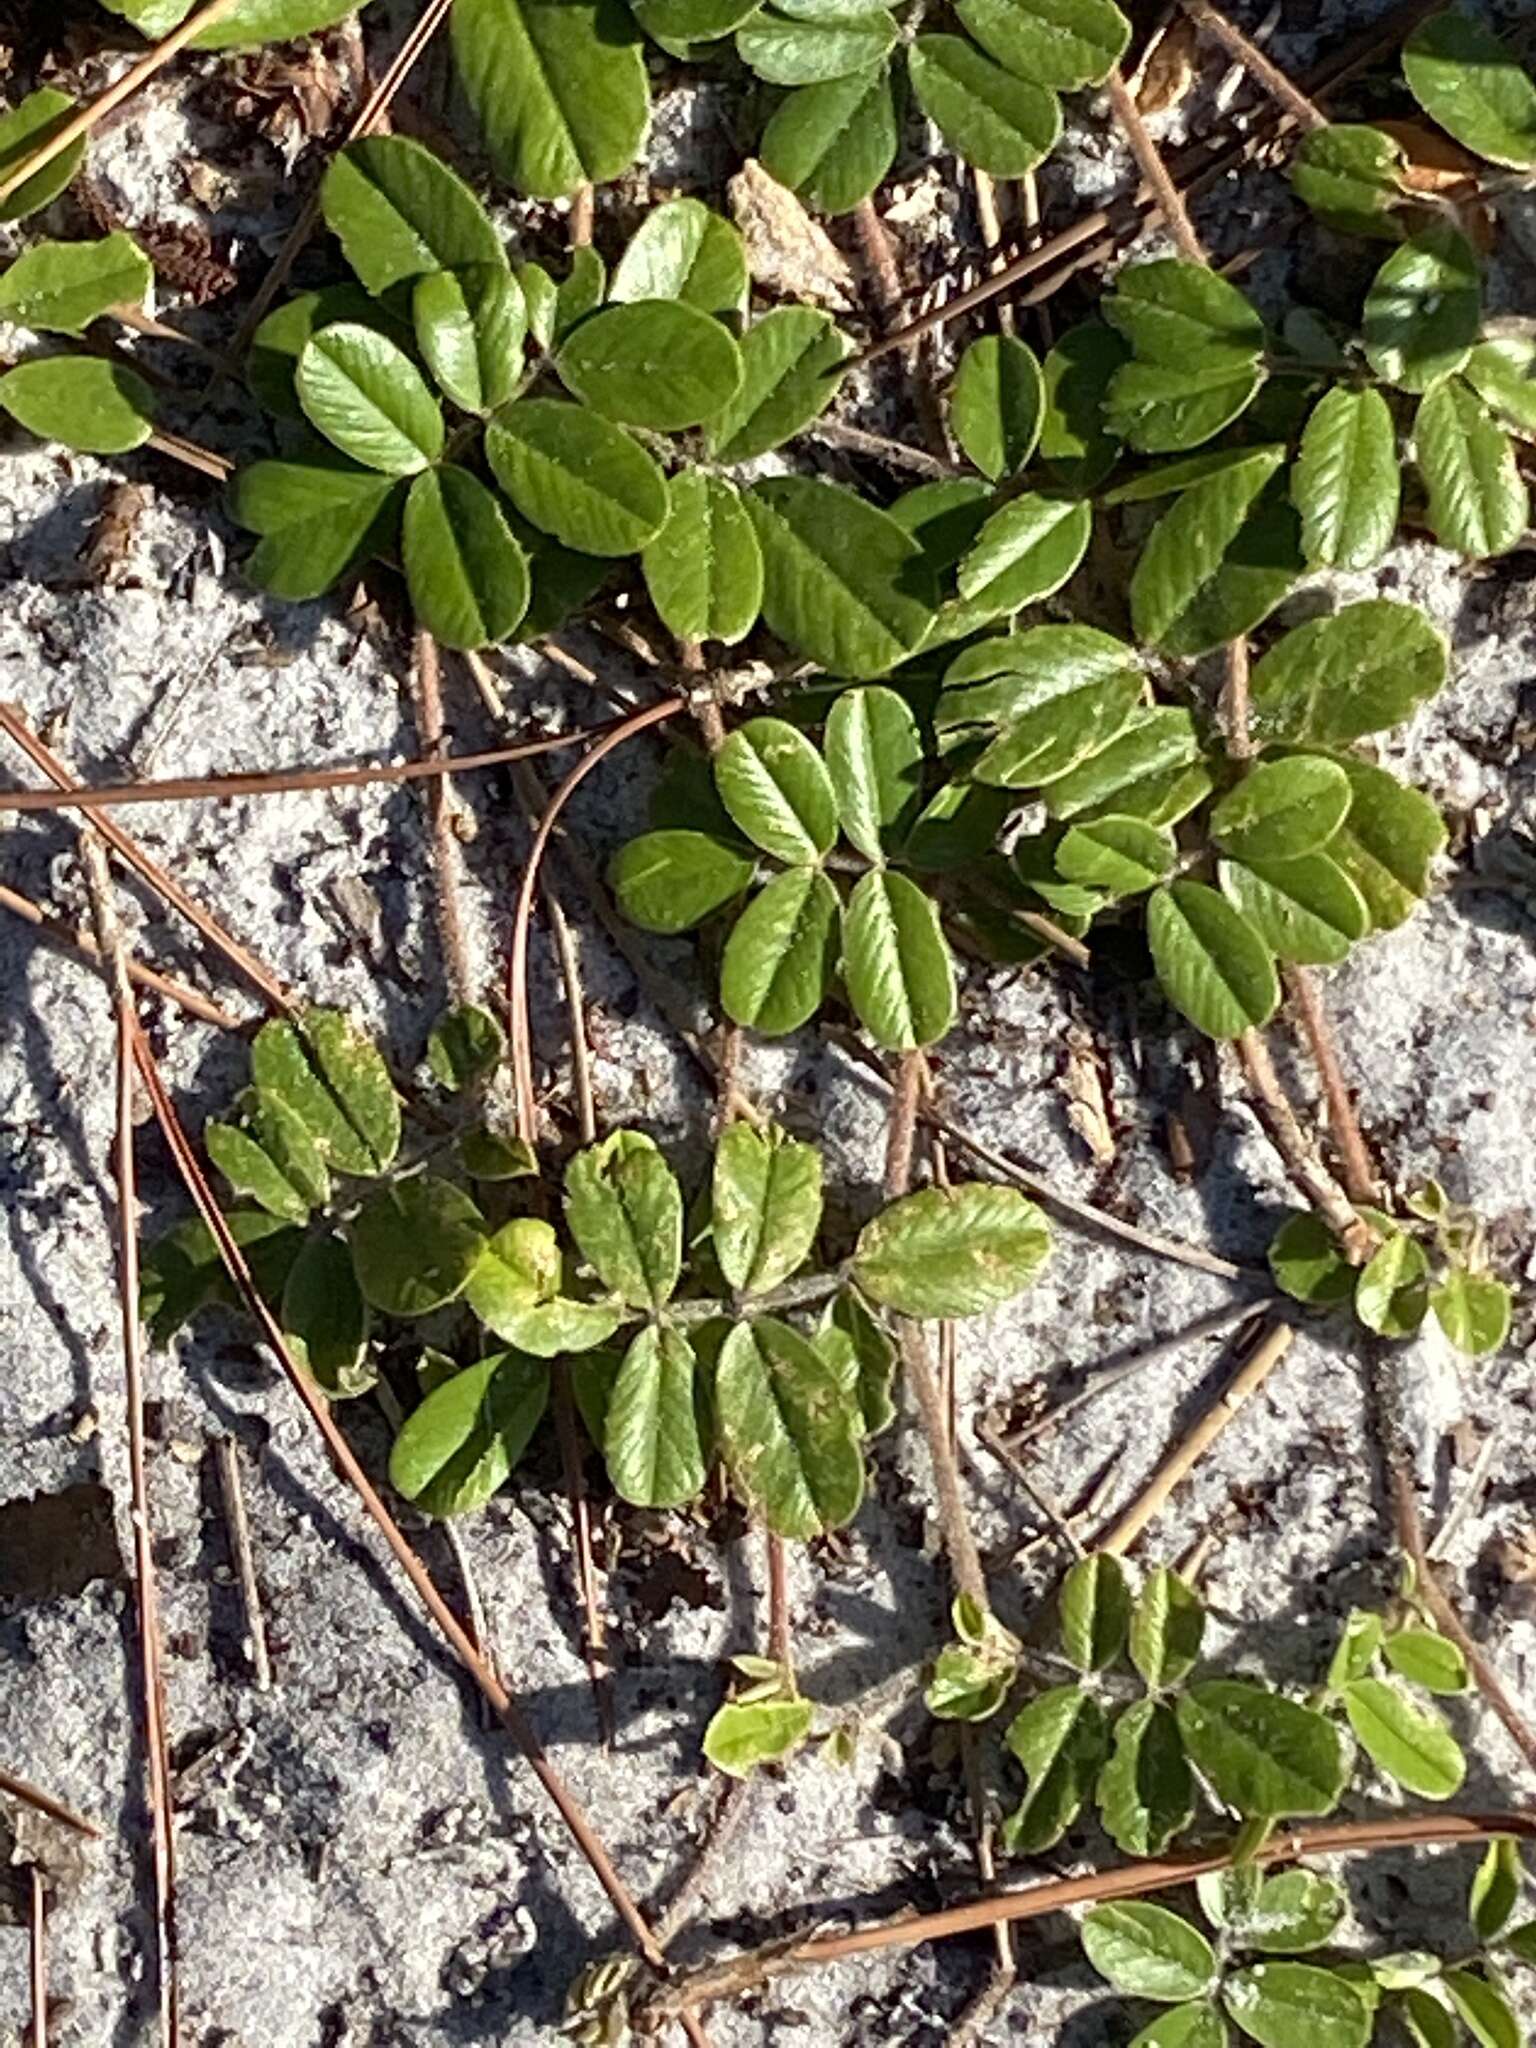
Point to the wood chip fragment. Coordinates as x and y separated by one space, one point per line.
789 252
1083 1083
1167 71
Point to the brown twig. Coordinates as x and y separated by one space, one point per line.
1170 200
1410 1534
1357 1171
12 723
87 117
44 1802
1356 1237
192 455
227 1452
446 858
506 1708
517 955
1266 1355
781 1644
37 1957
1264 71
68 940
1235 701
114 956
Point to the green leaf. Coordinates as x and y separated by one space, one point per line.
651 1435
1503 372
1483 2010
1027 549
1282 2004
1095 1611
740 1736
251 1170
1064 44
1073 436
1521 1942
1176 313
325 1318
782 953
1146 1793
956 1251
334 1076
833 143
704 570
968 1684
1478 501
1473 1310
765 1205
470 326
1169 478
998 123
457 1448
367 397
1427 2022
671 881
63 286
791 366
577 476
1360 670
279 341
1427 1658
1410 1743
659 363
467 576
1145 746
1059 693
98 407
1496 1887
1305 1258
843 585
810 51
1350 176
24 129
1167 1627
1423 311
1387 843
1345 483
1306 910
183 1271
317 518
956 828
777 790
1263 1754
558 87
399 212
247 22
415 1244
1147 1952
874 756
874 1356
997 403
678 24
901 980
1122 855
1296 1911
1212 559
683 251
465 1046
1282 810
1472 84
1185 2026
790 1435
1392 1291
515 1291
1210 960
625 1211
1061 1739
282 1133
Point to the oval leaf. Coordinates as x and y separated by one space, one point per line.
1474 86
1061 1740
1210 960
874 755
1282 809
782 953
367 397
1146 1792
683 251
400 213
704 570
325 1318
457 1448
841 579
467 576
1478 501
790 1433
658 364
651 1432
765 1205
1280 2004
952 1251
791 367
1148 1952
671 881
98 407
61 287
1263 1754
777 790
901 980
1423 311
996 404
1345 484
415 1245
1095 1611
625 1211
577 476
1001 124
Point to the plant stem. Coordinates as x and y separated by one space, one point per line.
1261 69
781 1646
1235 701
1149 161
37 1957
227 1455
446 859
44 1802
1359 1175
1356 1237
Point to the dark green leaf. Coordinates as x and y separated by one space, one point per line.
1159 408
558 86
683 251
1282 810
577 476
325 1318
1073 437
1305 910
901 980
1305 1258
790 1434
1027 549
87 403
625 1211
316 518
458 1447
1095 1611
1392 1291
833 143
704 570
678 24
659 363
1473 1310
1478 501
1178 597
956 1251
1146 1793
1387 843
1483 2010
765 1205
1210 960
1061 43
843 585
1496 1887
1167 1626
1282 2004
467 576
671 881
399 212
1001 124
955 828
415 1244
488 1155
742 1735
63 286
1473 85
333 1075
465 1047
1345 484
997 403
651 1434
1351 177
470 326
1176 312
24 129
1423 311
777 790
1061 1740
791 366
1427 2022
1147 1952
367 397
782 953
1263 1754
874 756
786 51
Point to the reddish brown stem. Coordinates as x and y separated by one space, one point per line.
1358 1173
67 939
1261 69
44 1802
781 1646
447 872
1149 160
37 1958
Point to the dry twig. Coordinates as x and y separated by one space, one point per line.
1264 71
44 1802
67 939
37 1957
227 1452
